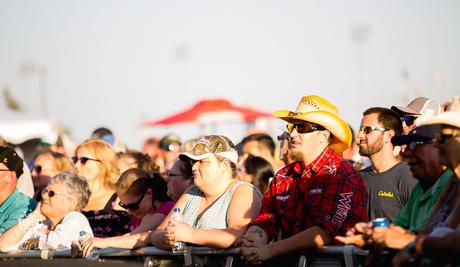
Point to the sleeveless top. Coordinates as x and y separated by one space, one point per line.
109 222
215 216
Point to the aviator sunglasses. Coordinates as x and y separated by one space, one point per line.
304 127
82 160
369 129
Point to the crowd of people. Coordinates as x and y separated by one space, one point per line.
321 184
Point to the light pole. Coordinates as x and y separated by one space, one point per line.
41 70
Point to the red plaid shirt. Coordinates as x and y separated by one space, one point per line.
328 193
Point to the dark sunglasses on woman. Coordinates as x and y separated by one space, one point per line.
132 206
82 160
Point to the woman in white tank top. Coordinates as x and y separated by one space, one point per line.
218 208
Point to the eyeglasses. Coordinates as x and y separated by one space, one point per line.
442 138
409 119
170 174
413 145
82 160
132 206
303 128
49 193
369 129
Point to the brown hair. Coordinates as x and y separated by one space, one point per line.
142 161
134 181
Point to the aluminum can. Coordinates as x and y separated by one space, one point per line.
380 222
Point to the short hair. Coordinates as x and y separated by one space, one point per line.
263 139
104 152
77 188
388 118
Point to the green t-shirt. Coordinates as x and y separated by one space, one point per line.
14 208
418 208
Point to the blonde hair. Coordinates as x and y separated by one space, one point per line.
61 162
108 171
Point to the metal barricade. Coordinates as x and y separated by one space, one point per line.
347 256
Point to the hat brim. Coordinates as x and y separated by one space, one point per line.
230 155
339 129
399 140
451 118
404 110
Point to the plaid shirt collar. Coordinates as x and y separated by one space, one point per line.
299 169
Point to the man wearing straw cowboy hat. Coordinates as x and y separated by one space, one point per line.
308 201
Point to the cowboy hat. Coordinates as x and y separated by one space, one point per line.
450 117
318 110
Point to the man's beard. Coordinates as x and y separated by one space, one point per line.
371 149
295 154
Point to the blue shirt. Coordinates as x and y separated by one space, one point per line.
14 208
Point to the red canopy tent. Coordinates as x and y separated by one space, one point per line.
211 111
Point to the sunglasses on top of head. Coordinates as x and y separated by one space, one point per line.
304 127
409 119
82 160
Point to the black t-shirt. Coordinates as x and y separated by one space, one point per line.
388 191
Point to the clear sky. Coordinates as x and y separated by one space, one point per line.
120 63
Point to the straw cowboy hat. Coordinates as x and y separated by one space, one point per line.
450 117
318 110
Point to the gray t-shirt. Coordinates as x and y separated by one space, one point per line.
388 191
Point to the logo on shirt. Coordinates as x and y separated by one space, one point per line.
282 198
385 194
316 191
342 209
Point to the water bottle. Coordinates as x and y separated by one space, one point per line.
179 247
94 255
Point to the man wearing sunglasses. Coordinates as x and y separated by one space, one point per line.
441 247
388 180
423 158
309 201
418 106
14 205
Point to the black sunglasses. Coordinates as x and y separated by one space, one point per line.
369 129
132 206
303 128
442 138
409 119
49 193
38 169
82 160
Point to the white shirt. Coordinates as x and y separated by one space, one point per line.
62 237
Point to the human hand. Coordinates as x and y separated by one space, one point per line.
178 232
88 244
253 251
358 235
393 237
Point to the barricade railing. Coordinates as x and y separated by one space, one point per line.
348 256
